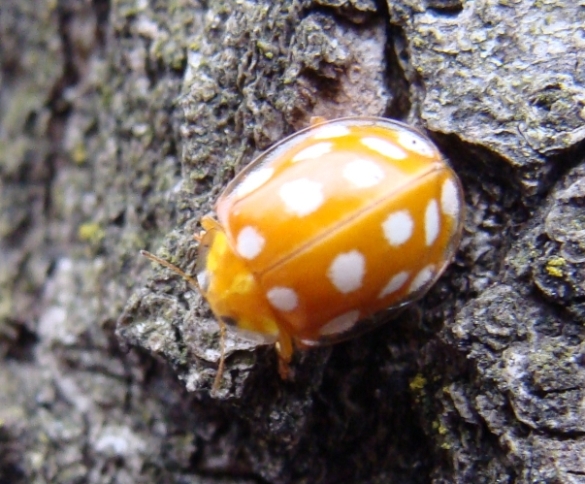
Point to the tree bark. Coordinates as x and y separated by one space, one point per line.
121 122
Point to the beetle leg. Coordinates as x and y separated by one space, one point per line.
221 366
285 349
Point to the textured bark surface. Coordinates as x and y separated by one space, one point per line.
121 122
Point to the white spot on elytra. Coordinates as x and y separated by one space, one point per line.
363 173
398 227
249 243
450 198
384 147
313 151
421 279
347 270
394 284
432 222
283 298
254 180
340 324
328 132
302 196
413 142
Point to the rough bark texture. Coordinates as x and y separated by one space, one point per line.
121 122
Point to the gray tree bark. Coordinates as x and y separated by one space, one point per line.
121 122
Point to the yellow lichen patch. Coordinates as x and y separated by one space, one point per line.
79 153
417 387
417 383
555 265
91 232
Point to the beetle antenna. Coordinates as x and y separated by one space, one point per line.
154 258
222 327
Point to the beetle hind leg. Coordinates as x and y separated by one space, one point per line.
285 349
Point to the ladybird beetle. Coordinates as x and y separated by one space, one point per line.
327 227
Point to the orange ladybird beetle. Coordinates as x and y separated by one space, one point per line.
327 227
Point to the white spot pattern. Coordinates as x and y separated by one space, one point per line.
394 284
203 280
283 298
398 227
432 222
413 142
312 152
302 196
254 180
421 279
363 173
385 148
347 270
341 323
249 243
328 132
450 199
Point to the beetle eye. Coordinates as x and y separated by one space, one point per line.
229 320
